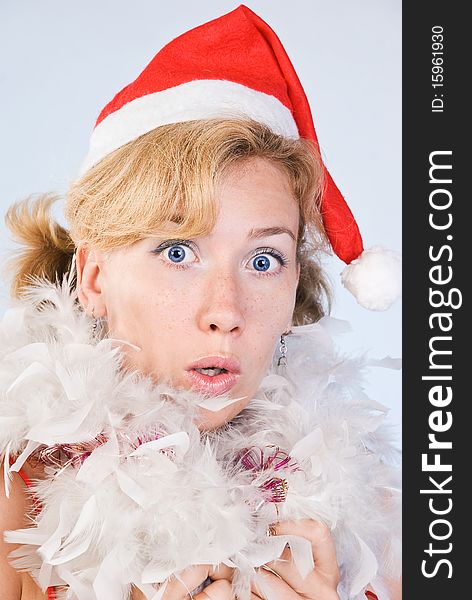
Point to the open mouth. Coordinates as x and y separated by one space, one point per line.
211 371
213 375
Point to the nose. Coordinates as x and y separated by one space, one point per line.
222 305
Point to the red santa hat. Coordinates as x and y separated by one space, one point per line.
236 66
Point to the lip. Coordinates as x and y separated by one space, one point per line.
218 384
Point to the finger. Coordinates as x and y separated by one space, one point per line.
221 571
181 584
314 585
324 551
270 585
284 567
218 590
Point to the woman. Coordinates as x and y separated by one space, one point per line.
170 454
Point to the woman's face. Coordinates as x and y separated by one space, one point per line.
218 301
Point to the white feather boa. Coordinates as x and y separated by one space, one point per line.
156 495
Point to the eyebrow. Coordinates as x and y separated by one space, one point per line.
267 231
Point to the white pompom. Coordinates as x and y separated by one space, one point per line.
375 278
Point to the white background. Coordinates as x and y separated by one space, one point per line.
62 61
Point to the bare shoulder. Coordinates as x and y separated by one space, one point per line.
12 516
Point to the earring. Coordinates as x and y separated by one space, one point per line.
94 322
282 362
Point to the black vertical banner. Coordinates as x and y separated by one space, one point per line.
436 213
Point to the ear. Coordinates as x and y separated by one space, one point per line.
89 277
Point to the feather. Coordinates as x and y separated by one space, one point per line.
80 589
53 543
6 470
216 403
146 495
178 440
160 592
103 461
80 538
387 362
20 461
302 554
107 583
368 568
51 432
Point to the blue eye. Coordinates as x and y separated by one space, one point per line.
261 262
268 261
176 253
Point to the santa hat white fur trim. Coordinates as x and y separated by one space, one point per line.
199 99
375 278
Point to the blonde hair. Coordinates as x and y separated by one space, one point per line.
170 175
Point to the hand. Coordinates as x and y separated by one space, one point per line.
179 587
282 576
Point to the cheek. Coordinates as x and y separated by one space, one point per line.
155 319
142 301
269 315
271 310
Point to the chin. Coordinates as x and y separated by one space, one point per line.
208 420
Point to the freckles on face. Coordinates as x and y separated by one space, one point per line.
148 309
227 296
